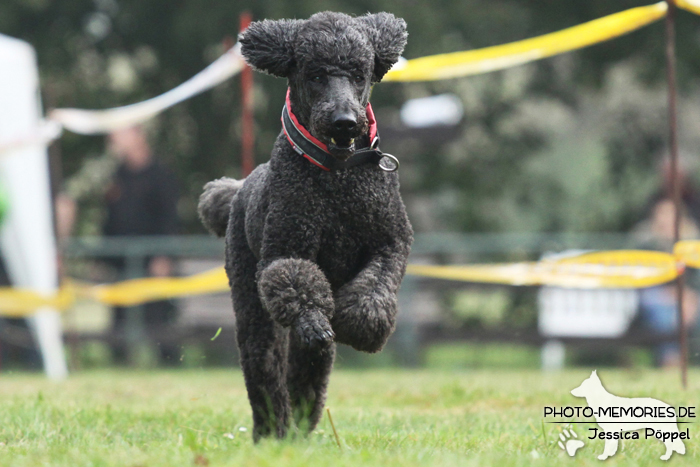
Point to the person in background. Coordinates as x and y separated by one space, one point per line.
658 304
129 193
689 191
141 200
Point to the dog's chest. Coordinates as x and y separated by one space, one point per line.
356 219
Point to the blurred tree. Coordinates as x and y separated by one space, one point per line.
511 168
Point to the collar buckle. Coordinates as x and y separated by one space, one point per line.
388 163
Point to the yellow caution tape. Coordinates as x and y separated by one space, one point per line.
688 251
603 269
16 303
136 291
692 6
472 62
20 302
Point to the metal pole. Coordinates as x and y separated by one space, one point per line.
248 129
135 332
675 182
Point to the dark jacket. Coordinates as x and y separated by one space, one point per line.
142 203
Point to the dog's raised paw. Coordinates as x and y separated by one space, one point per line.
314 330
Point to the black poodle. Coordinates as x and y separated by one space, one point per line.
317 239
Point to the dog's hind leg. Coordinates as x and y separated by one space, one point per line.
307 380
261 341
262 344
609 450
676 445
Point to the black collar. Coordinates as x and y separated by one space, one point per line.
317 153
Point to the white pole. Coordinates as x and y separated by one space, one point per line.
27 236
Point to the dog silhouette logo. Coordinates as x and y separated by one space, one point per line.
621 417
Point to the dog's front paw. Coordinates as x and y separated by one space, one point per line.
314 330
290 288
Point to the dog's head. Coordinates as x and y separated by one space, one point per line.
331 61
589 386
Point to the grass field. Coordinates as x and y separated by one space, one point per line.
383 418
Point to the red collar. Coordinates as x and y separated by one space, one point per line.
317 152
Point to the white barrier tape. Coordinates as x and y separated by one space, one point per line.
89 122
104 121
41 136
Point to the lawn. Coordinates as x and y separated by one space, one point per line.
384 417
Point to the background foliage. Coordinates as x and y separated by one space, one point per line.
570 143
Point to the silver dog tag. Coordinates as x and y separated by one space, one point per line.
388 163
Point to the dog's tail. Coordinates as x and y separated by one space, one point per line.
215 204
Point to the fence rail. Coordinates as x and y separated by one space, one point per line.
411 336
424 243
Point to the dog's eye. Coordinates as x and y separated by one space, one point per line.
359 78
317 78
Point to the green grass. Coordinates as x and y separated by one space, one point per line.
383 417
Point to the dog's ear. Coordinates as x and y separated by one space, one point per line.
387 34
268 45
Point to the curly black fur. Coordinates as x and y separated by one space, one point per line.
388 38
317 253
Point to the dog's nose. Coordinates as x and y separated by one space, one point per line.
344 121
